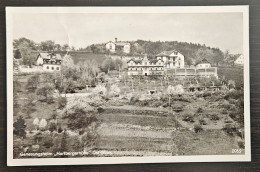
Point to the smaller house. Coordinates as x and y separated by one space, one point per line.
239 61
49 61
204 63
172 59
118 46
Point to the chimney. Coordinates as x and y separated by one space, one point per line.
115 39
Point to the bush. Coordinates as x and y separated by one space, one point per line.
202 122
62 101
50 100
197 128
114 90
134 100
52 127
241 144
229 129
199 110
214 117
100 90
188 118
47 142
60 129
19 127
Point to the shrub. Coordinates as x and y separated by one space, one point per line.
241 144
199 110
229 129
202 122
45 91
80 119
60 129
224 111
188 118
50 100
36 122
19 127
214 117
52 127
62 101
43 124
99 90
47 142
114 90
175 90
133 100
197 128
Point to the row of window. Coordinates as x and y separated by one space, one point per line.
160 68
52 68
131 63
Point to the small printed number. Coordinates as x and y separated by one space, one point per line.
236 150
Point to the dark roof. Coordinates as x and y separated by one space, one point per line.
166 53
203 61
153 60
136 61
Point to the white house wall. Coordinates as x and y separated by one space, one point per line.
51 67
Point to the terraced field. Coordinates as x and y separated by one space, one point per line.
132 131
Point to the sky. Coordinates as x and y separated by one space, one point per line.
219 30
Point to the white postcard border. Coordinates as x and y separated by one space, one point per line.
126 160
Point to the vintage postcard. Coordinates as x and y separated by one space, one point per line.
110 85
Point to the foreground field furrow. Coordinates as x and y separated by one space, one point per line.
127 119
125 131
134 143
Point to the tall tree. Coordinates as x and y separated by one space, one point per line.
47 45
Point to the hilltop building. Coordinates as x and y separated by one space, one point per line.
171 59
118 46
145 67
239 61
49 61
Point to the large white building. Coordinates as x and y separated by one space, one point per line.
171 59
49 61
145 67
118 46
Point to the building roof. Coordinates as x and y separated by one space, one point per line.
166 53
122 43
119 43
203 61
50 56
153 60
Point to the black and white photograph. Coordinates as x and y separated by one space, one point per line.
111 85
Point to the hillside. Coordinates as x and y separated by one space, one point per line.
193 52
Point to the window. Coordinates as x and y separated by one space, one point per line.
57 68
52 68
47 67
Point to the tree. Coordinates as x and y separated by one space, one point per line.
65 47
33 82
26 48
46 91
19 127
80 119
107 65
47 45
36 123
17 54
114 90
42 124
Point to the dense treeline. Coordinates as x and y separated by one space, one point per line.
193 52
